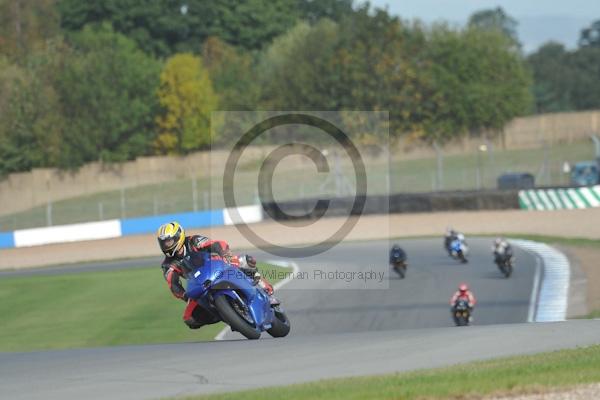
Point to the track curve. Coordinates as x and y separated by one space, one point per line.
419 301
332 329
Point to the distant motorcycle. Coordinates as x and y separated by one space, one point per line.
461 313
505 264
398 261
459 250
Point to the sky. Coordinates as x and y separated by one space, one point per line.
539 20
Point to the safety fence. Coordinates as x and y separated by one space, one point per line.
535 199
560 198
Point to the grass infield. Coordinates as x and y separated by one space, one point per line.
91 309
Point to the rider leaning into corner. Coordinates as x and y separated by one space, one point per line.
397 254
463 292
501 250
180 253
452 235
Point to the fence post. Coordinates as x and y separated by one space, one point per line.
49 213
388 171
440 166
122 203
492 161
194 194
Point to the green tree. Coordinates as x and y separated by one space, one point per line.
165 27
187 98
107 88
30 112
565 80
376 64
480 83
296 69
590 37
584 64
496 20
437 83
552 78
335 10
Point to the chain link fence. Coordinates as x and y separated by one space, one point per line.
477 169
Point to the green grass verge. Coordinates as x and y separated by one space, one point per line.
509 375
90 309
459 172
593 314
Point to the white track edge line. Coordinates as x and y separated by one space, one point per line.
536 287
552 299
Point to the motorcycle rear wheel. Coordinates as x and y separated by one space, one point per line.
400 270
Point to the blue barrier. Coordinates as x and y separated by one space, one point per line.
137 226
118 228
7 240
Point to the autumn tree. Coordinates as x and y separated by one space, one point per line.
31 118
26 25
232 73
187 97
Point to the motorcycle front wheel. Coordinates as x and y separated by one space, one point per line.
281 324
234 315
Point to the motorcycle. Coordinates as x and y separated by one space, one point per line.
230 295
505 264
398 262
400 268
461 313
459 250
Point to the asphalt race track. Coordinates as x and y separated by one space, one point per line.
345 332
421 300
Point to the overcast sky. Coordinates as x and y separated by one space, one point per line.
539 20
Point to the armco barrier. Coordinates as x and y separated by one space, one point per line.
398 203
132 226
560 198
67 233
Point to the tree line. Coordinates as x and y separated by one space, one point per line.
115 79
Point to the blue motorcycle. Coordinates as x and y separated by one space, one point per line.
231 296
459 250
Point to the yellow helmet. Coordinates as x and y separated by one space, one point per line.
171 238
